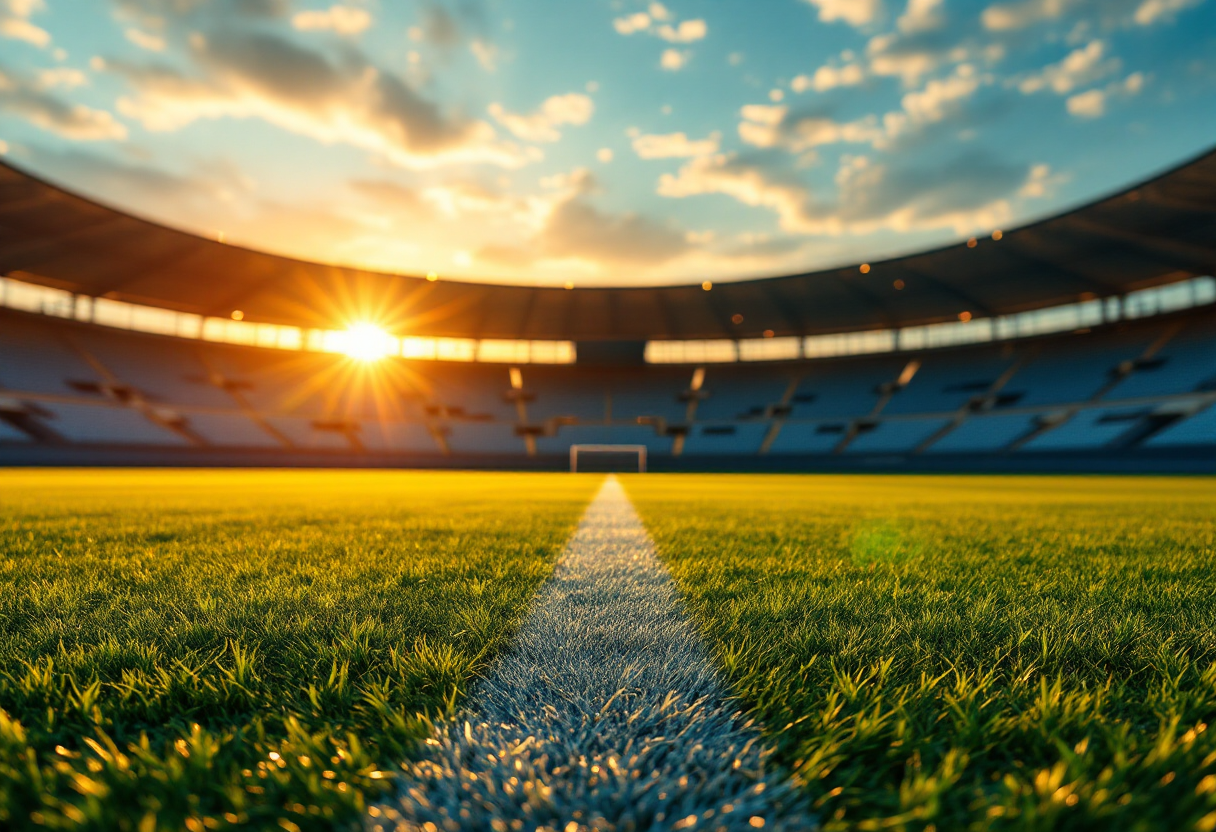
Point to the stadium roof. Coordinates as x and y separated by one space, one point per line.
1156 232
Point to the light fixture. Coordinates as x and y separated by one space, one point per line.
865 268
707 285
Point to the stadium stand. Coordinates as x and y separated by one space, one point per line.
1077 392
1096 346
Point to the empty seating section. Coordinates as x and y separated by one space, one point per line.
1199 429
847 389
1186 364
896 436
809 437
303 433
399 437
484 438
563 395
109 424
723 439
8 433
232 430
1087 429
1076 368
742 393
569 435
944 384
34 359
984 434
160 369
60 380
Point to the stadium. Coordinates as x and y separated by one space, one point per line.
914 535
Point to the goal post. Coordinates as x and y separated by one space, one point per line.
606 455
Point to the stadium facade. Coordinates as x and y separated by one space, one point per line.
1084 341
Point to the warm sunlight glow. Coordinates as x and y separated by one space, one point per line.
368 342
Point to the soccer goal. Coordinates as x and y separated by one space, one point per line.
608 458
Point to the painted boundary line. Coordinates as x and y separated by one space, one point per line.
606 714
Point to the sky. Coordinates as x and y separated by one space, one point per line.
602 142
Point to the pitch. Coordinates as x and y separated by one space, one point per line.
209 650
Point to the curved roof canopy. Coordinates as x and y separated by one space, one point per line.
1157 232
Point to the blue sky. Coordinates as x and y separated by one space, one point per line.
604 142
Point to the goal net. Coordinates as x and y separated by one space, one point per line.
608 458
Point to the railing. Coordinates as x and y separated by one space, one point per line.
30 297
1186 294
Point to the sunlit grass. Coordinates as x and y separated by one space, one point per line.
964 652
203 649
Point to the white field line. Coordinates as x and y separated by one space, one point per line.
606 713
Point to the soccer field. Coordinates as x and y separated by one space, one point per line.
212 649
963 652
206 649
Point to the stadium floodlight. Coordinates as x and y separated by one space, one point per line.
368 342
608 456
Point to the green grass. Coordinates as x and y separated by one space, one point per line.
956 653
203 649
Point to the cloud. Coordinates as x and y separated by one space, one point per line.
540 126
254 74
30 99
674 146
921 16
345 20
1092 103
15 22
1022 14
604 155
145 40
1080 67
673 60
964 194
830 77
61 76
687 32
1154 11
777 126
572 228
486 54
856 13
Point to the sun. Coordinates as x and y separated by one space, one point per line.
368 342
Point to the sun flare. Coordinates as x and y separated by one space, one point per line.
368 342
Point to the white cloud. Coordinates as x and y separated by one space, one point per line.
853 12
1155 11
345 20
746 183
673 60
61 76
967 193
921 16
15 22
485 53
1002 17
571 108
31 100
771 126
1091 104
830 77
674 146
636 22
1081 66
687 32
256 74
604 154
145 40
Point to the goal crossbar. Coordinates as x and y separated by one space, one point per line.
640 450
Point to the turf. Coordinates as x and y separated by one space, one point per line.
205 649
950 653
